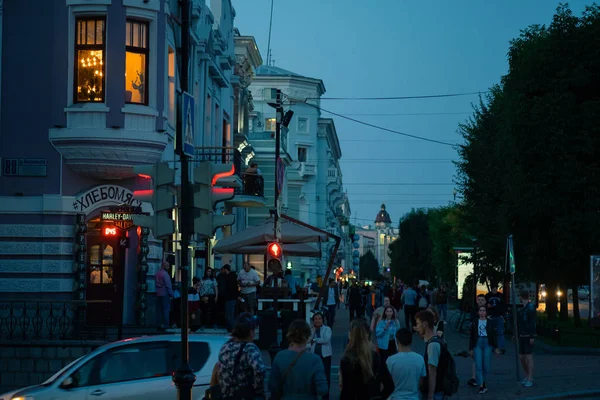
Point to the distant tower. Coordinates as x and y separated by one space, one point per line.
383 220
383 227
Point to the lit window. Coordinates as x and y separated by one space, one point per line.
270 124
136 62
89 68
171 79
302 154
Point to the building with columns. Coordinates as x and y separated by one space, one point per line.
313 189
105 81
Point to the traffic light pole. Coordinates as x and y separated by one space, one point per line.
184 377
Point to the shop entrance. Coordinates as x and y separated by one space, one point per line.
105 275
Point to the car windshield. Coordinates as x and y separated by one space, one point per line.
60 373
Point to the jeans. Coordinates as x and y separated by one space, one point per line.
331 314
230 313
498 324
443 310
483 355
163 308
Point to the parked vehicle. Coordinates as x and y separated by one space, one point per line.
583 293
138 368
543 293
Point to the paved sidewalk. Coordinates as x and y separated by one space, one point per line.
555 375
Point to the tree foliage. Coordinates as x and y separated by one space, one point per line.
530 165
369 267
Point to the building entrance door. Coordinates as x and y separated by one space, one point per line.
105 277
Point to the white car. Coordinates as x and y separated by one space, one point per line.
138 368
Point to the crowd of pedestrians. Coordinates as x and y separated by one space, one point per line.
378 361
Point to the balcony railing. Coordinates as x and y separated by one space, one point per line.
220 155
42 319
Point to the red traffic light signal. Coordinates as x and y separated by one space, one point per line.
274 249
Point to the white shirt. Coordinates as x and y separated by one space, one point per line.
482 328
248 277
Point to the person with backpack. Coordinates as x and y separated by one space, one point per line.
441 378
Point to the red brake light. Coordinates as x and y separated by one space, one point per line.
144 176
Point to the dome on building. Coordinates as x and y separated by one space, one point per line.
269 70
383 220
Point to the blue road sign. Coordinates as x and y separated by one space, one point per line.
188 124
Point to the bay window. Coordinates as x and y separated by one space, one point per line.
136 62
89 59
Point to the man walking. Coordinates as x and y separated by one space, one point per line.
526 322
409 300
432 388
230 295
164 294
355 301
496 311
331 298
248 280
406 367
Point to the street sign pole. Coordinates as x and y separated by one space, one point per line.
513 289
184 377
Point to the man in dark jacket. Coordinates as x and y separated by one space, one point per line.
230 296
526 320
331 298
355 301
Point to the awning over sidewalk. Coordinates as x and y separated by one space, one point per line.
259 236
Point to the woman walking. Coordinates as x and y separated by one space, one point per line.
320 344
481 344
359 367
296 374
240 371
386 342
209 294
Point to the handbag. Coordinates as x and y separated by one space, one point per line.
289 369
214 392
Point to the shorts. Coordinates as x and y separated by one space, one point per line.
525 347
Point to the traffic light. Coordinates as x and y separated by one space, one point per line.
161 196
289 265
274 256
206 197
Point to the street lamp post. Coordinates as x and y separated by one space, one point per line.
475 268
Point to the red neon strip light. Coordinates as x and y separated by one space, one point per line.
143 192
228 191
144 176
223 175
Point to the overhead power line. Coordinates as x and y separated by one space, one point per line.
383 128
430 96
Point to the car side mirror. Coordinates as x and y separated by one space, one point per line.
68 383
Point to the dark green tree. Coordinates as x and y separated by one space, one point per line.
369 267
410 254
529 164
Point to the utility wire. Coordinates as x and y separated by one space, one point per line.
431 96
382 128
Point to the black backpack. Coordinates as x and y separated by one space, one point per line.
450 382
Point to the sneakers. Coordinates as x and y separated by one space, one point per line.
482 389
528 383
472 382
524 381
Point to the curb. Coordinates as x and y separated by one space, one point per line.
566 350
566 395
